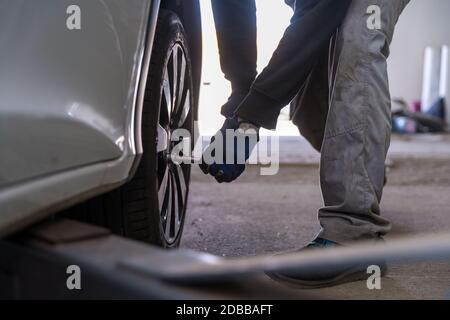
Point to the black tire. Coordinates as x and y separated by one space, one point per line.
134 210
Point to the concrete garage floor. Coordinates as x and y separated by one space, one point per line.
268 214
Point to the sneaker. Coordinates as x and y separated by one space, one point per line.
325 276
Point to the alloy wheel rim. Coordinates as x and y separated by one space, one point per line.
174 110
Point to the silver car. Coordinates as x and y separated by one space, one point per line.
90 92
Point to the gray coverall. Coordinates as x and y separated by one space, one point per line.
344 111
343 103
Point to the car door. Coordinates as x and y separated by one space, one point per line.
68 83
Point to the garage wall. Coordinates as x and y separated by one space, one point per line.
424 22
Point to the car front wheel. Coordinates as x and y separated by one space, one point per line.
151 207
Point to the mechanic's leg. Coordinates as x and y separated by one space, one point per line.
356 141
313 24
357 135
236 33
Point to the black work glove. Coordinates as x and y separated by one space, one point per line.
242 139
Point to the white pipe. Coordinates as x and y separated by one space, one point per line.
431 77
444 90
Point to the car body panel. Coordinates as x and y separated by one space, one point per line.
67 96
68 102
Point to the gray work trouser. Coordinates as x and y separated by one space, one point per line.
344 110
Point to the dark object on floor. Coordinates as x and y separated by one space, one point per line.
437 109
431 121
405 122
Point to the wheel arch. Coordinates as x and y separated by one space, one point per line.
190 15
